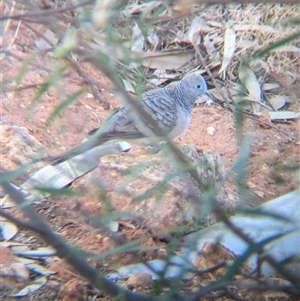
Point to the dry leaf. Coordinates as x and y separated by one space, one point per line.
42 44
6 202
162 77
277 102
8 230
229 47
32 265
251 83
209 46
137 40
39 252
194 30
270 86
281 115
145 7
153 38
167 60
128 85
37 283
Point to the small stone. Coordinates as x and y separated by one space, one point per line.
89 95
251 185
22 106
88 108
211 130
260 193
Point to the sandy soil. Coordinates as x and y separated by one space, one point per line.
271 151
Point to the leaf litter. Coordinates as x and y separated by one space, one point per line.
168 50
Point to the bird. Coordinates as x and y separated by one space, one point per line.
169 107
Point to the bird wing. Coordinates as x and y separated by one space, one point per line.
119 125
124 125
163 110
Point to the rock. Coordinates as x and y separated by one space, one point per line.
74 290
151 189
18 148
139 282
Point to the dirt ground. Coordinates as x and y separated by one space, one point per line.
271 151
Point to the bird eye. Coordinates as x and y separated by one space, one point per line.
198 86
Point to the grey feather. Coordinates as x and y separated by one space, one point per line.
170 108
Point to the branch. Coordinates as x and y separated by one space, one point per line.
64 251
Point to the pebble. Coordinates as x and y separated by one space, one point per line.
211 130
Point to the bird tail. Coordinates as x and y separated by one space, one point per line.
77 150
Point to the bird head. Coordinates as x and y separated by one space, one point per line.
195 86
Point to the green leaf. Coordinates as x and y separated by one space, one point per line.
10 175
23 69
58 192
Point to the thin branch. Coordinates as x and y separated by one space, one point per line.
253 117
66 252
90 82
43 13
287 275
17 221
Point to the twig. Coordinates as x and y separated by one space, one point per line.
230 107
66 252
222 217
47 12
39 34
16 221
253 117
90 82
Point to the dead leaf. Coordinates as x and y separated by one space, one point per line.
37 283
277 102
8 229
168 60
153 38
195 29
145 7
251 83
270 86
229 47
209 46
128 85
42 44
11 267
281 115
39 252
161 77
6 202
137 40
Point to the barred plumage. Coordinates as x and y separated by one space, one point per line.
170 108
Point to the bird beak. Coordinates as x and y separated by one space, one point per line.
208 95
